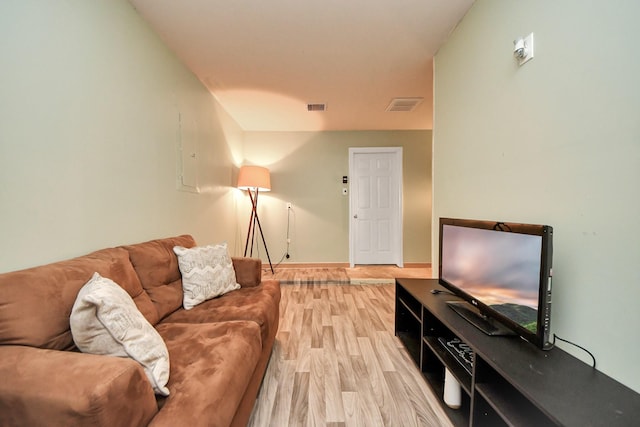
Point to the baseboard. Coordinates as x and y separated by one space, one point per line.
417 265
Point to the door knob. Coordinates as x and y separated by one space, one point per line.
356 216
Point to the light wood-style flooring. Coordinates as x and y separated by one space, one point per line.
336 362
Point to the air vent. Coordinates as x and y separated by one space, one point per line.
404 104
316 107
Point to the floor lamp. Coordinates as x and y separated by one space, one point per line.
254 179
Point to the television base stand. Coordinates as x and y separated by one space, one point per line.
473 316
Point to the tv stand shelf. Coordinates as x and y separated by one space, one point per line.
513 383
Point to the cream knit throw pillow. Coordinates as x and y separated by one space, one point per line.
207 272
105 320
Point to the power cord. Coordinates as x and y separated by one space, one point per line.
286 254
555 337
277 264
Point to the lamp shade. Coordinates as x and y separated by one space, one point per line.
254 177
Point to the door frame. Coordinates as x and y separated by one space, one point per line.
397 227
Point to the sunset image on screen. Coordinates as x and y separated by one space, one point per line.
499 269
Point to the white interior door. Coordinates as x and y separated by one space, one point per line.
375 231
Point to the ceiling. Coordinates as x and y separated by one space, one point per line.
266 60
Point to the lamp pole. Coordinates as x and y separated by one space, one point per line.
253 179
251 232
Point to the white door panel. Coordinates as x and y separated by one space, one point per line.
376 196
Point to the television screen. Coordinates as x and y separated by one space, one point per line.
502 269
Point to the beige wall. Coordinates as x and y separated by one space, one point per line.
89 104
307 169
89 124
556 141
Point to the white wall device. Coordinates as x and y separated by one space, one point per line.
523 49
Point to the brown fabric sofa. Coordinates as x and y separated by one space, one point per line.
218 350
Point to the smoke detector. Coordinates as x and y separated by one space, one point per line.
317 107
404 104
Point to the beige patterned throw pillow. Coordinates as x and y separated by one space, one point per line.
207 272
105 320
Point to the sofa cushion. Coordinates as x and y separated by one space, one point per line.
248 271
65 388
104 320
157 268
207 272
212 364
258 304
35 303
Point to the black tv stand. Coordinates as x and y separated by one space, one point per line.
512 382
473 316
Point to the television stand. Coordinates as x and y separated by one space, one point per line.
473 316
511 381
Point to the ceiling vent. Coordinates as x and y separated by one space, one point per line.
316 107
404 104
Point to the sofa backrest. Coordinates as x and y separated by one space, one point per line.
157 267
35 304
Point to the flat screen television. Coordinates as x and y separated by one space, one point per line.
504 271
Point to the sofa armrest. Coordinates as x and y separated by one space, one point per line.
51 387
248 271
